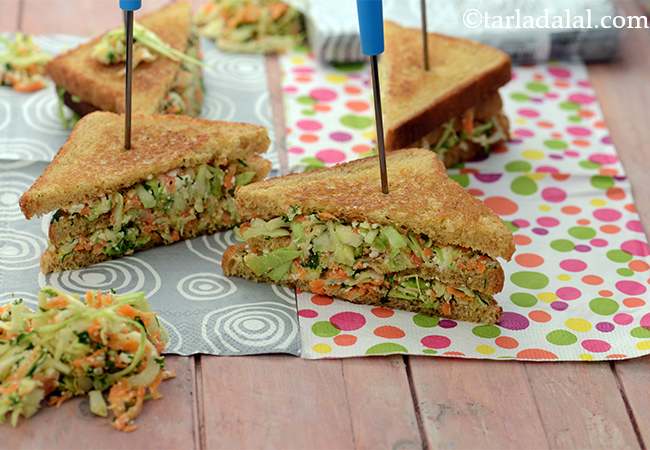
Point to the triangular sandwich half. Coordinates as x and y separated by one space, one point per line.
454 108
427 246
90 77
176 182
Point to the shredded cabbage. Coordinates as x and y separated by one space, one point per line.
72 346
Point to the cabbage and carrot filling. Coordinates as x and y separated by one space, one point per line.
463 132
249 21
22 64
70 346
363 258
165 209
485 126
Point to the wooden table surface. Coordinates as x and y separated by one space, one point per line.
377 403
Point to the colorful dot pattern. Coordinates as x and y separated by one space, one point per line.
577 287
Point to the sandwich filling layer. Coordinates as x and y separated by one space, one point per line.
473 134
164 209
365 260
184 97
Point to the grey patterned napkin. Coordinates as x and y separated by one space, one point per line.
203 311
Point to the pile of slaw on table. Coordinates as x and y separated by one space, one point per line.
22 64
73 346
257 26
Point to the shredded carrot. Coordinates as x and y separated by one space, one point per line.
96 359
337 274
127 311
29 86
278 9
208 7
446 309
25 366
57 302
415 259
229 178
457 293
59 400
226 218
94 331
427 252
125 345
9 389
317 286
235 19
250 14
132 202
84 244
153 387
468 121
120 397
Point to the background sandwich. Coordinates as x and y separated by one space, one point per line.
91 77
454 109
427 246
176 182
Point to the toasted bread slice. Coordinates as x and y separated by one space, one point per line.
93 161
462 74
103 86
422 199
233 265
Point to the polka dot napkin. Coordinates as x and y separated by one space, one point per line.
577 286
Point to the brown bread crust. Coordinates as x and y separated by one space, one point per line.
463 74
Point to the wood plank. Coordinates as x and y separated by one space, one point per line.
381 405
285 402
471 404
170 420
624 96
268 402
580 406
634 379
622 90
84 18
9 16
594 413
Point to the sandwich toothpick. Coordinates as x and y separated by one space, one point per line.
128 6
371 26
425 40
